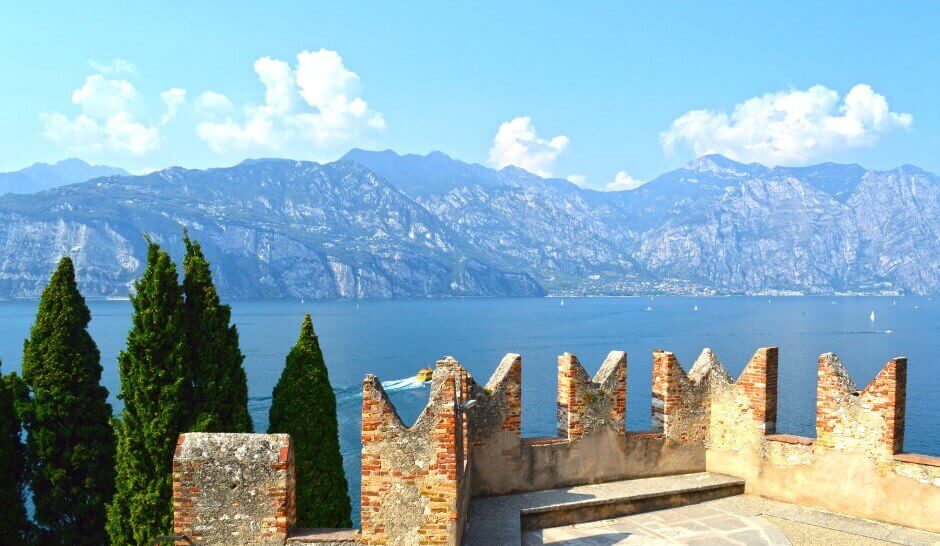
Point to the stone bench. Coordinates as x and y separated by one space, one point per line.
501 520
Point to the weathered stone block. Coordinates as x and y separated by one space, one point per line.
233 488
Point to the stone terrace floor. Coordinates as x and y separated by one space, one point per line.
741 519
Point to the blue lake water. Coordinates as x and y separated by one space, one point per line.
393 339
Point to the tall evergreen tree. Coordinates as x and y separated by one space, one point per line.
220 386
70 443
304 406
13 523
156 387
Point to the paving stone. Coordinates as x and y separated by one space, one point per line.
736 520
726 522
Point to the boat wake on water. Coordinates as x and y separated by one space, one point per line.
355 391
403 384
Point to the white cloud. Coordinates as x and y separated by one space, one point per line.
315 103
173 99
516 143
100 97
108 119
577 179
624 181
211 102
114 66
788 127
126 134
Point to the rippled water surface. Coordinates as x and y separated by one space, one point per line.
394 339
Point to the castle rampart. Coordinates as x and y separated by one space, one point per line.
417 482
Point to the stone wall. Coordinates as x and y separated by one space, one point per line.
854 466
413 478
591 444
417 481
233 488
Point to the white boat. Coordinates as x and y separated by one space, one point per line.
872 316
649 308
562 302
695 308
889 331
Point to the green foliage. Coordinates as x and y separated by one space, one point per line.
220 386
156 387
70 441
304 406
14 526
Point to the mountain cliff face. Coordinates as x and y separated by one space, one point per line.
377 224
272 228
713 226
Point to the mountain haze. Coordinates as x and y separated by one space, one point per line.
42 176
379 224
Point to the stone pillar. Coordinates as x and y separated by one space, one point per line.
669 384
500 403
887 395
571 376
234 488
871 420
506 382
759 382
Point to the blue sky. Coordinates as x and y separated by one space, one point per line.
558 88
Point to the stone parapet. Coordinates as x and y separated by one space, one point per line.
591 445
412 477
233 488
585 404
417 481
871 419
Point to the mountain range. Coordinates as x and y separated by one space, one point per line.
42 176
384 225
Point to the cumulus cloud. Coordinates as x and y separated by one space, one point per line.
211 102
317 102
788 127
173 99
108 119
624 181
516 143
114 66
100 97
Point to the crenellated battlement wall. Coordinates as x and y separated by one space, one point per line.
417 481
413 478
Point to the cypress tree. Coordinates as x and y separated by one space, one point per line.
304 406
220 386
156 387
13 523
70 443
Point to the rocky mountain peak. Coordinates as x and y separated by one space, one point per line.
719 165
